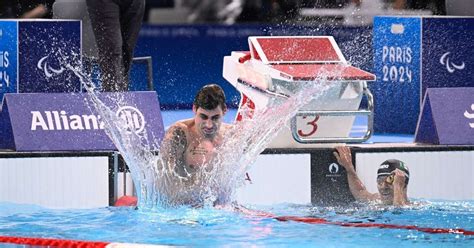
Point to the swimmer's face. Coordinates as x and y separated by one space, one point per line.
208 122
385 187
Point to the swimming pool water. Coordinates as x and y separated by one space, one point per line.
214 227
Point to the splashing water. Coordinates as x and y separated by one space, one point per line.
136 150
249 137
159 185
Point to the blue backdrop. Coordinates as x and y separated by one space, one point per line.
413 54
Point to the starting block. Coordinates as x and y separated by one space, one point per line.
275 65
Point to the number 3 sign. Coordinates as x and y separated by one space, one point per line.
313 126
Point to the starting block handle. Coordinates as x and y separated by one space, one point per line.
149 65
369 112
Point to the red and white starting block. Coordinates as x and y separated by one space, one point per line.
275 65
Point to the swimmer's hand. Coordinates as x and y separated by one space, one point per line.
399 178
344 158
399 191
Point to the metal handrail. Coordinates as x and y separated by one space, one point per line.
149 64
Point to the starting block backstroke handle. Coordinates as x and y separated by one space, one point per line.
149 66
369 112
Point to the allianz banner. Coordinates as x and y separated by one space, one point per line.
69 121
33 54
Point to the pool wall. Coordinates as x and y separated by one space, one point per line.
300 176
437 172
56 180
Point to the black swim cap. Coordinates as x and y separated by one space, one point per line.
387 167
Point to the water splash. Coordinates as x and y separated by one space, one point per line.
249 137
136 149
159 185
216 181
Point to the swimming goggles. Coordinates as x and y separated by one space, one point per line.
388 179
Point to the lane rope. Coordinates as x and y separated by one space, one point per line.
311 220
315 220
49 242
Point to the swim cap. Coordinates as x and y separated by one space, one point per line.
387 167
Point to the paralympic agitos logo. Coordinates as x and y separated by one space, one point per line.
44 64
56 120
450 66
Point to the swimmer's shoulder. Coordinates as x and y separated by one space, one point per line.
183 125
178 129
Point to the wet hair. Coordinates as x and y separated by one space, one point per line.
209 97
388 166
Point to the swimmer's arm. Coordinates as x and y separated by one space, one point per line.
174 148
357 188
399 197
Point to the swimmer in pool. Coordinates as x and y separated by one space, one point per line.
392 180
190 144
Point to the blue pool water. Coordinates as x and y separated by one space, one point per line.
213 227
